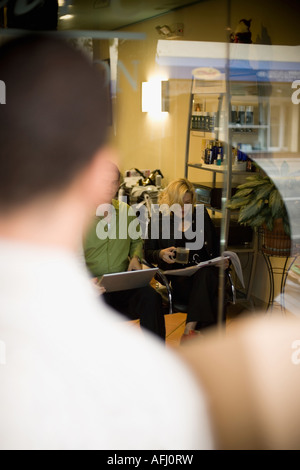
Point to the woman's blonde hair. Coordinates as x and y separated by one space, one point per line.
175 192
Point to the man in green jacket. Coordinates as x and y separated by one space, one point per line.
113 244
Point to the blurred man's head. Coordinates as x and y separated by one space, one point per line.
111 182
54 120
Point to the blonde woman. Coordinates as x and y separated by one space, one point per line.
199 291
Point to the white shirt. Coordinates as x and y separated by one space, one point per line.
74 375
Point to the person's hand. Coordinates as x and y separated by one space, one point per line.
168 254
224 263
134 264
98 289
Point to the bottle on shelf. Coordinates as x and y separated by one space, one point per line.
234 155
211 154
233 119
203 121
221 149
241 115
213 149
200 126
249 115
208 159
192 123
241 156
197 122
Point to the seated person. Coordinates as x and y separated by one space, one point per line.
199 291
115 250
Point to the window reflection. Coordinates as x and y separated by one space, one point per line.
260 79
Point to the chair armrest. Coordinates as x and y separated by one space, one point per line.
232 288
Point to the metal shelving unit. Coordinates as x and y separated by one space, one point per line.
247 131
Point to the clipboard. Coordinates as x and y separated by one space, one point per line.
127 280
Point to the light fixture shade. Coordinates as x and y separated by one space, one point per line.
155 96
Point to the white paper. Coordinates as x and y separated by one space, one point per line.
189 271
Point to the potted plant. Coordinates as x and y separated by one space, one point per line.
261 207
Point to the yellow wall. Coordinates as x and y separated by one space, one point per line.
145 143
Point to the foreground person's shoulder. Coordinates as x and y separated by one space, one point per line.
251 377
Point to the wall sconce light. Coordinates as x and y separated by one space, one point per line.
155 96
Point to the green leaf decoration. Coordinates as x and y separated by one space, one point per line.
250 211
251 184
260 202
276 204
237 203
244 192
264 191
